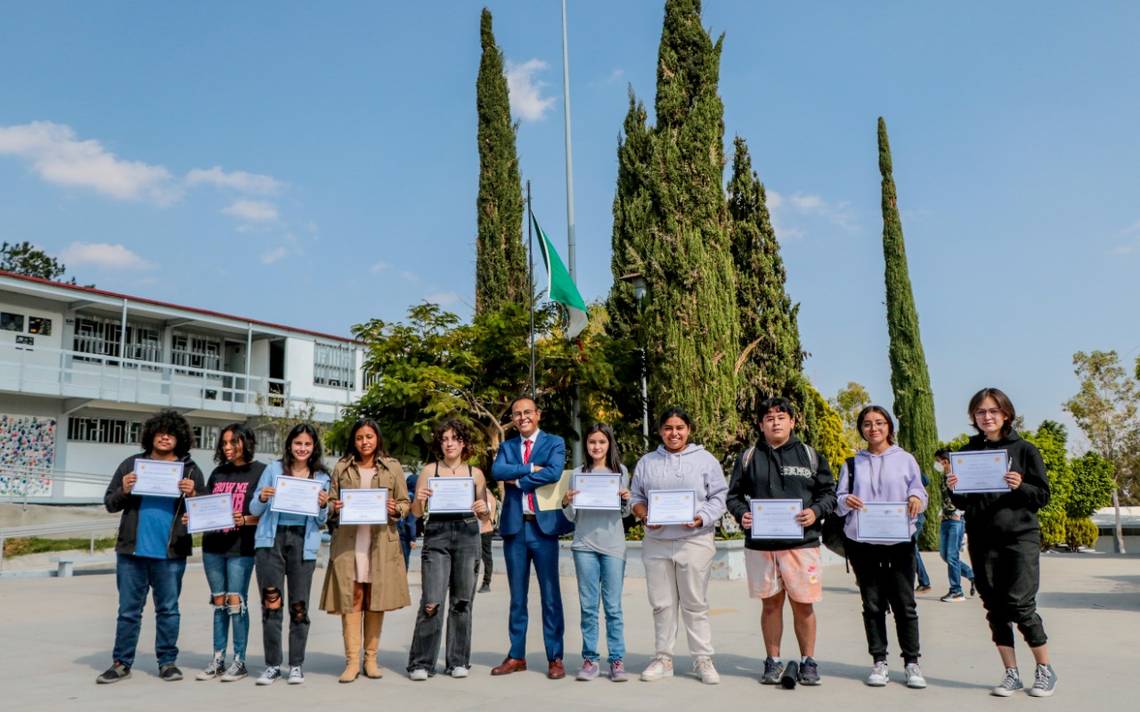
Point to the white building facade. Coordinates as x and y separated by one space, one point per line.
75 386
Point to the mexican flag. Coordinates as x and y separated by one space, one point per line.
559 286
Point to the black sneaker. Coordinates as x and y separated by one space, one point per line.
791 674
973 589
116 672
772 672
809 672
169 672
953 597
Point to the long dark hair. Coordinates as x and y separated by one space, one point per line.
1004 404
881 411
244 435
674 413
613 456
168 422
460 432
316 463
350 449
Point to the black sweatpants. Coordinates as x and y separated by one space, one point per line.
1007 574
885 574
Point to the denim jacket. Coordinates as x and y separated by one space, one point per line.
267 524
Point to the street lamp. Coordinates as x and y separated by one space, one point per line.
639 288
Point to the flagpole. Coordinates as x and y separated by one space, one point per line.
571 256
530 285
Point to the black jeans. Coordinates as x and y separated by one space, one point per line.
283 564
487 562
447 571
885 574
1007 575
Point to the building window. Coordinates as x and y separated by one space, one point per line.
334 366
205 436
113 431
269 440
102 337
11 322
196 351
39 326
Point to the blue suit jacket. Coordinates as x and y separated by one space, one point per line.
548 451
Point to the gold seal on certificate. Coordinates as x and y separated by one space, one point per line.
776 519
451 495
980 471
210 512
883 522
297 495
597 492
364 506
672 507
158 478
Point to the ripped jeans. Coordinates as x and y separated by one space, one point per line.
285 563
447 568
229 576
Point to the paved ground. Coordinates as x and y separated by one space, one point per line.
57 635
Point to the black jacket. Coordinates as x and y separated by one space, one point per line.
783 473
115 500
1004 516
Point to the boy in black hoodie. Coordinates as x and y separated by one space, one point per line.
1005 541
152 547
780 466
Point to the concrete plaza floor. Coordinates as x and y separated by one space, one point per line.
57 633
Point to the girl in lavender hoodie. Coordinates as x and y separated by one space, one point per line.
884 570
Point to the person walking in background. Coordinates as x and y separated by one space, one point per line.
678 557
286 547
884 570
228 555
920 567
1005 541
599 556
486 539
366 576
408 526
152 546
950 538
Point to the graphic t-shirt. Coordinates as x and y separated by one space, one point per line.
240 482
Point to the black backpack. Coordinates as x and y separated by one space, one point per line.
833 535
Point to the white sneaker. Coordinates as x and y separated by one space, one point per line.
459 672
419 675
879 676
296 677
660 668
703 667
270 676
914 678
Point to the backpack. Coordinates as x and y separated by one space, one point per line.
833 535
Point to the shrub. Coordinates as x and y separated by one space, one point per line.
1082 533
1092 486
1054 528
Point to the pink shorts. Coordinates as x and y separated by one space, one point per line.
793 570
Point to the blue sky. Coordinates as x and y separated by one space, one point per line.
315 164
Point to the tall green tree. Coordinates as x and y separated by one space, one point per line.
632 218
910 379
770 359
690 319
500 258
27 259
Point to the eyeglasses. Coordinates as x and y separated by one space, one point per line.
522 414
983 412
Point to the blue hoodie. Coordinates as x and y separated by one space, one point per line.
267 524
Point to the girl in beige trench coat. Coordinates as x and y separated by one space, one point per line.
366 574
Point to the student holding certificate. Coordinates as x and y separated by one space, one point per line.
228 554
881 510
781 467
1005 540
451 544
599 550
678 557
286 547
366 575
151 550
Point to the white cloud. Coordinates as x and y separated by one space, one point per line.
410 276
240 181
252 211
102 254
274 255
527 101
58 156
443 299
379 267
811 205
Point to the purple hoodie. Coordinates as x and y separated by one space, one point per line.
892 476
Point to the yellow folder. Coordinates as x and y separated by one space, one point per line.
550 496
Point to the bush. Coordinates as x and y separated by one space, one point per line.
1092 486
1082 533
1054 528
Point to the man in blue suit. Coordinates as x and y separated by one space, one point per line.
523 464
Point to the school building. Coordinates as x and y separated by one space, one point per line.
82 368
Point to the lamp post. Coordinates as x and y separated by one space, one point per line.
639 288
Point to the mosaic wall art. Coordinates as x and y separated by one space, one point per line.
27 443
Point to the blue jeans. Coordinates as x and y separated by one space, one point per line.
950 544
227 576
134 576
600 574
920 569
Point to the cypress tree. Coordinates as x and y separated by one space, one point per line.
690 320
910 380
633 217
500 260
770 358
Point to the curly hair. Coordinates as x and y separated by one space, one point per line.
457 429
167 422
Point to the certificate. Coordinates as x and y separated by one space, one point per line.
672 506
883 522
980 471
364 506
158 478
597 492
297 495
451 495
776 519
210 512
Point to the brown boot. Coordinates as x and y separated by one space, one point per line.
350 623
373 622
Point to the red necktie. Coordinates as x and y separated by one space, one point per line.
526 461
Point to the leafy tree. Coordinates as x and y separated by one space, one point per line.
500 259
27 259
1092 487
910 379
1106 409
1051 441
823 427
851 399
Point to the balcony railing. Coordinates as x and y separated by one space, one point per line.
73 374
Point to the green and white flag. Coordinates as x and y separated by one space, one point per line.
559 286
